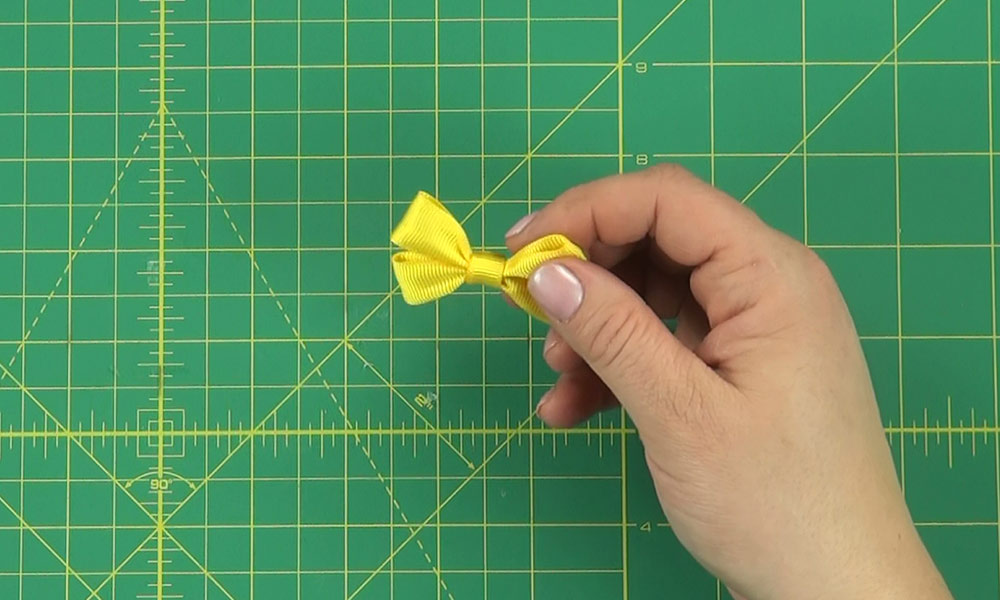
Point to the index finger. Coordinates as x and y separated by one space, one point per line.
688 219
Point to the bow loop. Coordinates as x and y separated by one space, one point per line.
437 258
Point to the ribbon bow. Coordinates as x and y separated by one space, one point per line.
437 258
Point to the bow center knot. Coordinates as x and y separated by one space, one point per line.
486 268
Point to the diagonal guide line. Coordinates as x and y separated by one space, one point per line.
83 240
843 101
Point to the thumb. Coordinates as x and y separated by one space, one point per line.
625 343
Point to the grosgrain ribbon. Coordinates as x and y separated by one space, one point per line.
436 258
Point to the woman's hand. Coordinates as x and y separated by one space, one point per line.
758 415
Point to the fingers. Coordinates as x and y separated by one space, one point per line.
689 219
559 355
621 339
576 396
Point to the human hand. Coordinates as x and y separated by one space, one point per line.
758 416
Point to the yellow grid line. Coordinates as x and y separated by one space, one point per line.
24 290
379 432
69 285
346 124
437 305
298 296
621 411
993 260
529 97
161 293
898 242
253 304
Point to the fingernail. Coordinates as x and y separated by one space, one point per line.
542 401
549 345
557 291
520 225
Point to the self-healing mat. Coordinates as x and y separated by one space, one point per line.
210 386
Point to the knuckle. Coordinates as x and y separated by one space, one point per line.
664 172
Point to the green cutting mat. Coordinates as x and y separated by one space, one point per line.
210 390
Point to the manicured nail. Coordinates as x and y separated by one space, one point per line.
520 225
557 291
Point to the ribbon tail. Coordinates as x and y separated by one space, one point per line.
423 279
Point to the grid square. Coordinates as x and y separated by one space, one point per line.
942 121
48 91
758 109
375 140
505 42
367 43
956 32
868 26
459 42
680 122
322 89
413 43
280 47
925 272
94 45
852 200
925 182
412 88
322 43
230 44
777 38
48 46
367 88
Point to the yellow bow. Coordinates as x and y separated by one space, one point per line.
437 258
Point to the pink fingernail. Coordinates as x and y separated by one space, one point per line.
520 225
557 291
549 345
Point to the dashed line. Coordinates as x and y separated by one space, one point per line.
74 253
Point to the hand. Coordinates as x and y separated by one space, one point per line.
758 416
